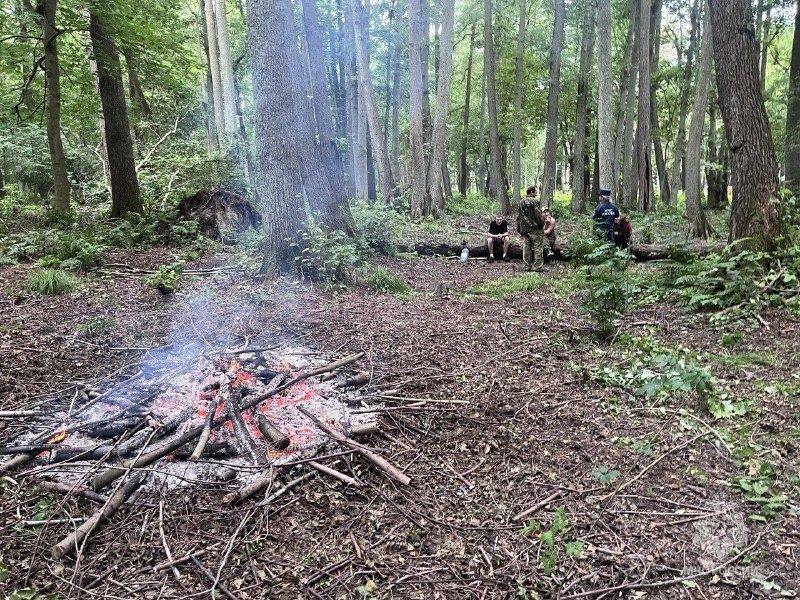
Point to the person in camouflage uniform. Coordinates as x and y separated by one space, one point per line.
530 226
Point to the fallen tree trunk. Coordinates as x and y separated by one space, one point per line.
640 252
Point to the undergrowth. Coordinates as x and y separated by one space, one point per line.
50 282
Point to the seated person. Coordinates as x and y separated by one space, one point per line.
604 216
622 231
549 229
498 236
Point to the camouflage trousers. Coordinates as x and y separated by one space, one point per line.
530 243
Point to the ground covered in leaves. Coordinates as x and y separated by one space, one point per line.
544 463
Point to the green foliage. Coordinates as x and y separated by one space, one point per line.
607 287
553 541
378 226
507 285
50 282
382 280
95 326
76 252
166 278
474 204
758 487
605 475
332 257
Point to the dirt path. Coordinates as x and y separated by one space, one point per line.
622 491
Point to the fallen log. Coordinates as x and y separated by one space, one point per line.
371 456
271 433
206 432
243 439
73 541
640 252
111 474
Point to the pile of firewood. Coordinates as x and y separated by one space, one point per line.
133 441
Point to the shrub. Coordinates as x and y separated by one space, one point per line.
382 280
166 277
329 257
607 287
76 252
378 225
51 282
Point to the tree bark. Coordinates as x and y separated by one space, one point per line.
630 178
679 147
125 197
551 133
212 139
357 150
643 137
279 181
605 100
624 130
366 89
578 204
765 48
463 171
415 114
658 150
717 169
227 83
755 218
58 162
396 112
793 113
698 225
480 162
445 73
496 176
216 75
425 59
516 186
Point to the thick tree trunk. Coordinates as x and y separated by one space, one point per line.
698 226
581 112
337 213
551 133
226 74
516 186
630 179
480 163
755 217
499 192
425 59
125 196
445 73
605 100
765 48
216 75
623 134
366 89
357 149
212 139
679 147
415 114
395 157
717 170
644 141
463 171
793 113
58 163
102 147
279 182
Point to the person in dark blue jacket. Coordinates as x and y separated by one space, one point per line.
604 216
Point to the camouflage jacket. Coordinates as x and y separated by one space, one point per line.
529 217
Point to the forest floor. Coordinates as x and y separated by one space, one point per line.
627 494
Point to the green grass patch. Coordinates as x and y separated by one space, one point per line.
50 282
507 286
383 281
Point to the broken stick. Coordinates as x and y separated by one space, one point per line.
73 541
206 433
271 433
371 456
111 474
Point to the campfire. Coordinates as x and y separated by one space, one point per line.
235 417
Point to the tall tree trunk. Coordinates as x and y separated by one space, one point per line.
226 73
581 112
480 163
624 130
630 180
279 183
338 213
415 114
496 176
516 186
765 48
125 197
425 59
463 171
216 75
658 149
793 113
102 147
212 140
380 151
58 162
391 43
551 133
605 99
357 150
698 226
717 169
396 112
445 72
679 147
755 216
643 138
